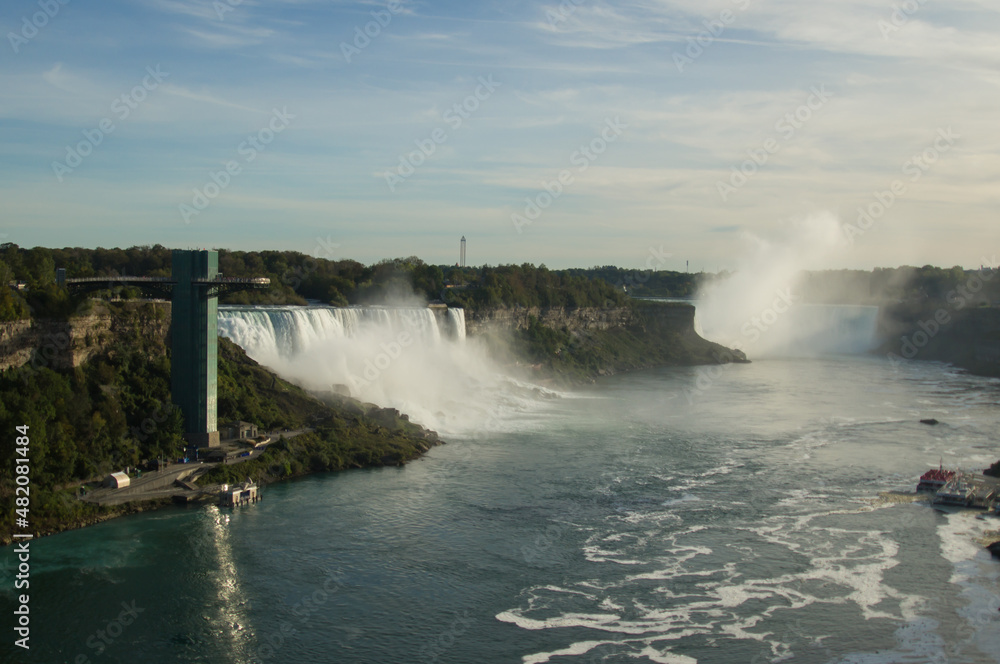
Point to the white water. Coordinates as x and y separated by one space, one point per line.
760 310
404 357
802 330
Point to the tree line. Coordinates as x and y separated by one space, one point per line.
297 278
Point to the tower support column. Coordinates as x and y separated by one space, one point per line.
195 344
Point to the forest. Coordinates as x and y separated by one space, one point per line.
298 278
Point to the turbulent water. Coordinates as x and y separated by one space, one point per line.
411 358
678 515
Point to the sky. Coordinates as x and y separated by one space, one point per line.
644 133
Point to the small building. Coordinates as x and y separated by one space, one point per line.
240 431
117 480
238 495
216 456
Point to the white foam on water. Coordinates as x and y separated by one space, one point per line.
849 565
977 575
580 648
665 657
686 498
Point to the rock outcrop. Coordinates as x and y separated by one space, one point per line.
573 320
64 344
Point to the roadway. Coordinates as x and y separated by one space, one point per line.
160 483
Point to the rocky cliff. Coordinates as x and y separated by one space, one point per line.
573 345
63 344
518 318
967 337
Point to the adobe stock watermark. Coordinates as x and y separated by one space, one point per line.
655 260
454 117
382 361
121 108
582 158
561 13
911 345
363 36
914 168
714 29
249 148
223 8
758 325
303 611
30 27
295 277
539 547
149 425
901 15
785 128
447 639
752 330
100 640
52 348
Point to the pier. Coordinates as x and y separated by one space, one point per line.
967 489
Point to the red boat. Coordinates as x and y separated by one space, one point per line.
934 479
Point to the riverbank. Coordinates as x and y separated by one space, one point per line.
113 410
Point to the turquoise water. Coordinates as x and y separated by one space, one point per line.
676 515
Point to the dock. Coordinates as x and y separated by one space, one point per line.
967 489
239 495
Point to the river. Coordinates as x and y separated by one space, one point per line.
676 515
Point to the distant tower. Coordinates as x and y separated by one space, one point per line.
461 259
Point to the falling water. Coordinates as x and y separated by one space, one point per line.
410 358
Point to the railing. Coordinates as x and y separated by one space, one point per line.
261 281
120 279
169 281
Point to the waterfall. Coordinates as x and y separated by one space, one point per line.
457 319
795 330
271 331
410 358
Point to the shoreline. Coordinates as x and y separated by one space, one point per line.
96 514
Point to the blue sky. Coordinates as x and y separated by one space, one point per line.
647 109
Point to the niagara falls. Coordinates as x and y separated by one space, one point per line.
542 332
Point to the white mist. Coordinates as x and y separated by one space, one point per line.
759 308
405 357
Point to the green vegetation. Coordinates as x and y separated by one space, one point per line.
297 277
662 334
89 420
114 411
339 443
993 471
529 286
645 283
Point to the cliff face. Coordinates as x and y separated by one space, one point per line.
573 320
573 345
58 344
968 338
17 340
661 318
